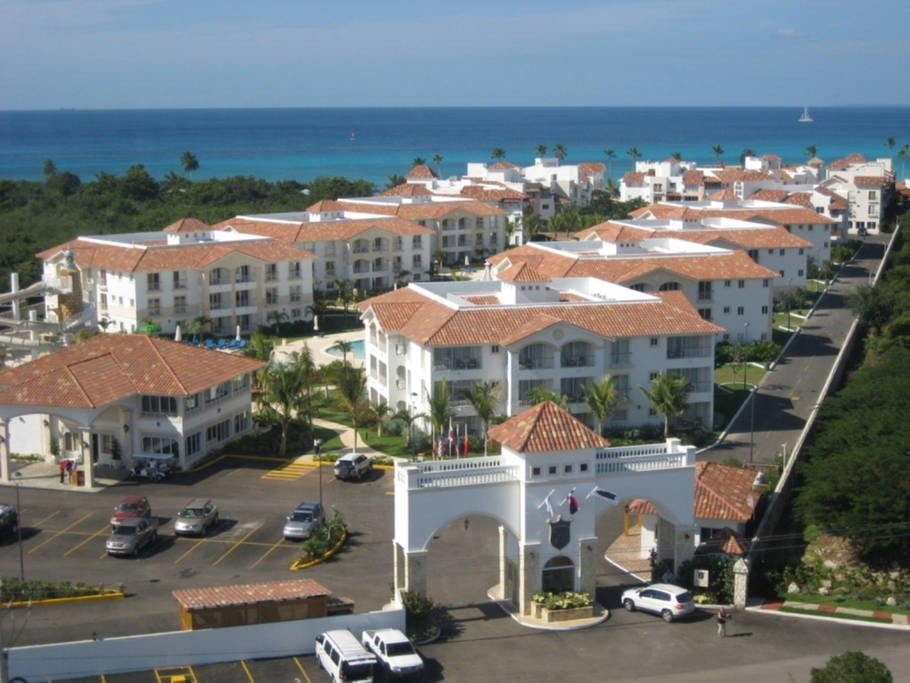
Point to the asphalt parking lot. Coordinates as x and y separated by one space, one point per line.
64 535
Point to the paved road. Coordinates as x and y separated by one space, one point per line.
788 393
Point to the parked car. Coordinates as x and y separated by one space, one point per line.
9 521
131 506
196 518
352 466
396 654
340 653
669 601
130 536
303 521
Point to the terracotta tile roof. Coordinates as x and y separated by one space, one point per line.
782 215
870 181
421 172
325 206
613 232
502 165
109 367
721 492
490 194
320 231
407 190
803 199
545 427
591 168
693 177
774 236
189 225
725 194
522 272
633 178
203 597
431 323
847 161
770 195
437 210
157 257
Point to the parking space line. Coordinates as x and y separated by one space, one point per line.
246 669
90 537
306 676
59 533
276 544
44 519
236 545
195 545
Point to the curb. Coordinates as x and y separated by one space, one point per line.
297 565
108 595
834 613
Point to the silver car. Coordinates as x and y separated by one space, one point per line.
664 599
130 536
196 518
303 521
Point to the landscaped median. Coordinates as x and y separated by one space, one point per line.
28 593
323 544
838 612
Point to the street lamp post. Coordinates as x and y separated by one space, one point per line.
18 477
752 423
745 360
789 302
317 444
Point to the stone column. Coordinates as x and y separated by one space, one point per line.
683 545
416 571
87 465
741 582
528 575
503 537
4 451
587 566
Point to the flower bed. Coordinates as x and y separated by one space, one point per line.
566 606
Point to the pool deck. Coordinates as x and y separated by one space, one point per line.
318 347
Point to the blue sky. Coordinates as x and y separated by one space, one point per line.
101 54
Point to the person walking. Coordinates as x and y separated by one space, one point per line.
722 617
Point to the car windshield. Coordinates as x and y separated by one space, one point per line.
400 649
302 516
127 507
124 530
190 513
357 670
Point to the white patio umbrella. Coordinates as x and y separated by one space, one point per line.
316 323
178 335
237 333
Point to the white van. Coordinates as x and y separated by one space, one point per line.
341 654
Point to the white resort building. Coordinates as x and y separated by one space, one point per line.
528 332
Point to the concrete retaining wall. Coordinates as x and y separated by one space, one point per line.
62 661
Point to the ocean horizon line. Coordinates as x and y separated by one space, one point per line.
739 107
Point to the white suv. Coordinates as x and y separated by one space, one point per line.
669 601
352 466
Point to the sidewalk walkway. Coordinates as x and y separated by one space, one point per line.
798 609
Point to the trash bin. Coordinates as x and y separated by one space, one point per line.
78 477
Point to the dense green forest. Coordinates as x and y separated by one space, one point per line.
36 215
856 471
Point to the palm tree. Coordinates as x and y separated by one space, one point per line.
718 151
345 347
284 398
634 154
395 180
259 347
484 397
439 409
537 395
437 162
198 325
409 417
498 154
351 385
277 317
602 398
49 168
903 155
531 226
810 151
559 151
418 161
747 152
669 394
889 143
345 291
189 162
610 154
380 411
677 156
541 151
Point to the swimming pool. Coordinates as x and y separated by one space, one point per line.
356 350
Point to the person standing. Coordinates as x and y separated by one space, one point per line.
62 470
722 617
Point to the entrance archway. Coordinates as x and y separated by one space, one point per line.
558 575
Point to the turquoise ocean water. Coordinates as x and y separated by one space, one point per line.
374 144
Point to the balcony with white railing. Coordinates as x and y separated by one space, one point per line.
651 457
462 472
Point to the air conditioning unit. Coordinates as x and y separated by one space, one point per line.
700 578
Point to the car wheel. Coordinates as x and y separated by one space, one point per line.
666 615
628 604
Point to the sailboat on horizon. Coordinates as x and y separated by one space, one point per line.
805 118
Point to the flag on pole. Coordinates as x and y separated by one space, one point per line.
571 500
467 443
451 436
546 502
603 493
441 447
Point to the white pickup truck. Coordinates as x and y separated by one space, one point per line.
395 652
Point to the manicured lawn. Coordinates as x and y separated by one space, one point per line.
844 601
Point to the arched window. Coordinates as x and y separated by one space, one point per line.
558 575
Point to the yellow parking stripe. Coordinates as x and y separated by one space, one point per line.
249 674
59 533
277 544
306 676
191 549
90 537
236 545
291 471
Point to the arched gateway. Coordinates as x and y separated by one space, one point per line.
547 488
